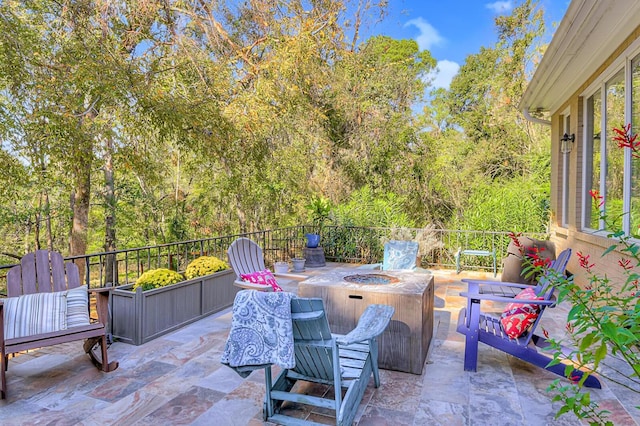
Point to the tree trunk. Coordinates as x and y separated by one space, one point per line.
80 206
36 231
110 271
47 210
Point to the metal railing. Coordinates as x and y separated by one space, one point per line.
340 244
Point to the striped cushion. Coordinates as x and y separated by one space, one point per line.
77 307
32 314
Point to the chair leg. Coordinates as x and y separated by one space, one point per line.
102 363
373 353
471 352
3 380
267 410
105 359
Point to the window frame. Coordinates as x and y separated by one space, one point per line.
622 62
566 164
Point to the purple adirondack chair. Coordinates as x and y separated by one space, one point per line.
483 327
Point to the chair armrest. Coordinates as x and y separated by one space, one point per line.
102 302
370 266
496 283
252 286
291 275
373 321
100 290
494 298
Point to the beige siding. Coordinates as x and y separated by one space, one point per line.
571 236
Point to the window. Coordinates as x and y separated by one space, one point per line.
565 174
593 138
635 163
609 169
614 155
606 162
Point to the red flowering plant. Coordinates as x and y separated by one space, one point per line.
535 260
603 324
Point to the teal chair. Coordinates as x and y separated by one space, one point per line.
345 361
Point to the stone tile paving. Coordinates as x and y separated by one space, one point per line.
177 379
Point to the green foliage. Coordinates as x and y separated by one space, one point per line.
518 204
604 321
157 278
319 208
205 265
366 208
218 131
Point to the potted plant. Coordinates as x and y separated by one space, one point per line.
162 300
319 208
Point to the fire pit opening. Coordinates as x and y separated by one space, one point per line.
374 279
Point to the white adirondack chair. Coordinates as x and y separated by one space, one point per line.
245 257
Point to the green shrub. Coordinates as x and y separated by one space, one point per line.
156 278
205 265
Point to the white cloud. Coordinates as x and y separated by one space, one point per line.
428 36
500 6
443 74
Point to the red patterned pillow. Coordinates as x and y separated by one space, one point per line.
518 317
262 277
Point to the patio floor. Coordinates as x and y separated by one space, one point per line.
178 379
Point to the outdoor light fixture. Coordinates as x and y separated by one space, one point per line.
567 143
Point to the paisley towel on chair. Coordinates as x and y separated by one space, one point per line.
261 332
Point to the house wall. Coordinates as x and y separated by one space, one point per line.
571 236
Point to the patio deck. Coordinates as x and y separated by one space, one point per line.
178 379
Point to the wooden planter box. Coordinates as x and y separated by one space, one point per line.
141 316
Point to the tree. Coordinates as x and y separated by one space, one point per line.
495 148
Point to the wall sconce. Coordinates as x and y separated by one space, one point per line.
566 143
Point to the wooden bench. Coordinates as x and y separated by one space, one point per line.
46 272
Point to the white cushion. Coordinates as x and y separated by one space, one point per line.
77 307
32 314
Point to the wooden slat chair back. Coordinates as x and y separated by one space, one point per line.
478 326
42 272
398 255
245 257
510 289
45 272
344 362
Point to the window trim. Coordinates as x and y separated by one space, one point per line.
624 61
566 164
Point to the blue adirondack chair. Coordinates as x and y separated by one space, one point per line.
398 255
478 326
344 361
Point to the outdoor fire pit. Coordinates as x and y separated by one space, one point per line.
376 279
347 292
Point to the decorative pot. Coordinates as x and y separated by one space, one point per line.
281 267
312 240
298 264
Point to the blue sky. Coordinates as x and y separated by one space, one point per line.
451 30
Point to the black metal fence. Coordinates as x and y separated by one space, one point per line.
340 244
